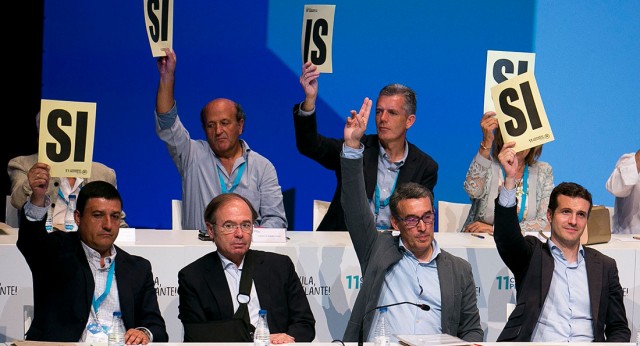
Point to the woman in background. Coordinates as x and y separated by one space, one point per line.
485 176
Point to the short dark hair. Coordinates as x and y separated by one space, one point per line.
240 115
408 191
410 101
222 199
97 189
569 189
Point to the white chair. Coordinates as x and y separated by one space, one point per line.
27 315
451 216
611 209
176 214
319 210
10 214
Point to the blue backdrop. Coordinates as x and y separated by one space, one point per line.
586 68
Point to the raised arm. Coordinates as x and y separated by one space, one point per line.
325 151
166 69
479 172
309 83
357 214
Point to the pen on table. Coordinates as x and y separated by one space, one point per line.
477 235
637 237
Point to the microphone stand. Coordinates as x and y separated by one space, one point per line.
423 307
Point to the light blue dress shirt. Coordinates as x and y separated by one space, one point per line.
197 163
566 314
413 281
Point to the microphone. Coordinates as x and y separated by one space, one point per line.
424 307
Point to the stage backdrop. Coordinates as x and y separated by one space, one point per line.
586 68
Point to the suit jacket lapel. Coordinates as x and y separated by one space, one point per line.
370 159
446 289
86 273
219 288
406 172
123 277
594 273
261 280
547 266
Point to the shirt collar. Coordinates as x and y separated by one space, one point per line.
383 154
434 254
559 255
94 256
226 263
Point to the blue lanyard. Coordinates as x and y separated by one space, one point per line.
525 185
223 185
376 199
62 196
97 302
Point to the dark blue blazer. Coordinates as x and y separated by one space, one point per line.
531 262
63 285
205 295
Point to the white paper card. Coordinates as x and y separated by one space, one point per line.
317 36
158 20
502 65
269 235
520 112
126 235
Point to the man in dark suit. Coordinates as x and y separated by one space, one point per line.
209 287
389 159
565 292
81 278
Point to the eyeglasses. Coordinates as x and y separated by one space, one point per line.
412 220
228 227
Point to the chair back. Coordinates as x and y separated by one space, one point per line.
319 210
176 214
451 216
10 214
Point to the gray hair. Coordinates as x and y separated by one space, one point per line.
410 101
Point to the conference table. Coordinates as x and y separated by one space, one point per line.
328 269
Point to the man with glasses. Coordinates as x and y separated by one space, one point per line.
409 268
209 287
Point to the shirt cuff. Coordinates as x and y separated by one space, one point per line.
146 331
302 112
166 120
351 153
36 213
507 198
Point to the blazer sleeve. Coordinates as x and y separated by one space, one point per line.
429 176
469 328
138 299
325 151
616 324
301 323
